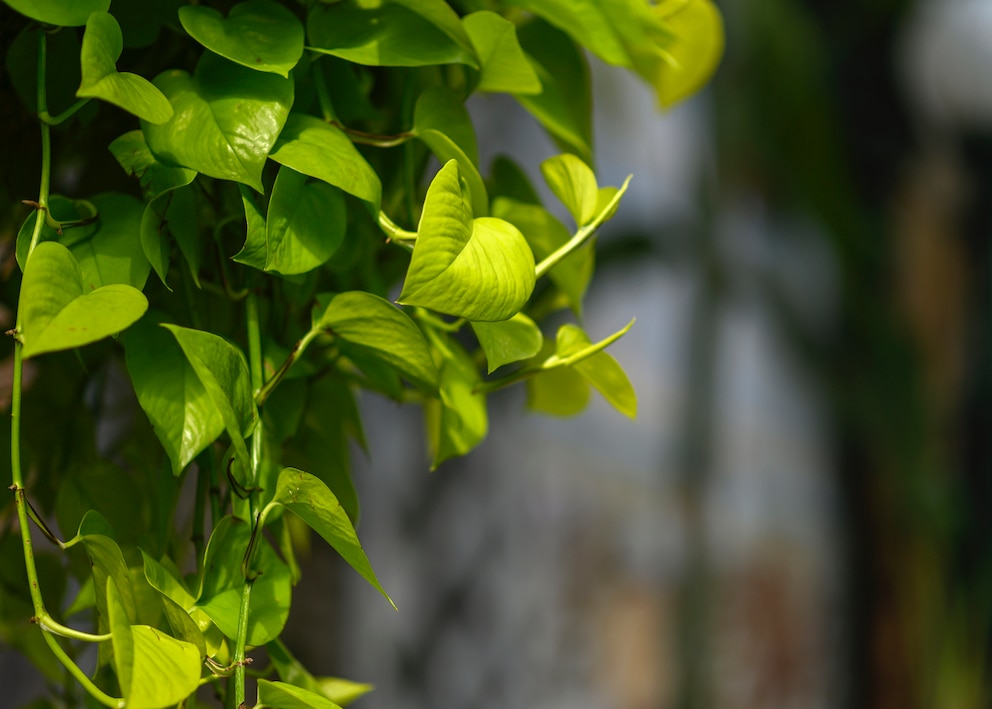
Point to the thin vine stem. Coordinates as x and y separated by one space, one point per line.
80 676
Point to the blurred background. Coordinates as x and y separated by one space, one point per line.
801 516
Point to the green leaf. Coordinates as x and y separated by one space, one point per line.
599 369
305 223
508 341
279 695
694 55
254 251
55 314
380 328
223 583
63 13
174 213
313 147
390 33
508 179
479 269
313 502
156 178
165 583
223 372
102 47
564 107
226 119
441 121
290 671
459 421
259 34
182 413
573 182
561 391
154 669
504 66
545 234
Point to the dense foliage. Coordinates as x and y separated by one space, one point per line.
227 238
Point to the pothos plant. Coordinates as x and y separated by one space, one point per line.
299 214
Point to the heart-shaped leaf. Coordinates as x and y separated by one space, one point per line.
55 313
313 147
102 47
508 341
380 328
390 33
504 66
564 106
223 372
441 121
305 224
279 695
598 368
312 501
574 183
154 669
62 13
694 54
259 34
479 269
222 585
182 413
226 119
560 391
156 178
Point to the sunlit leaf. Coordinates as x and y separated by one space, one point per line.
226 119
56 314
573 182
504 66
479 269
458 422
313 502
259 34
102 47
279 695
694 53
599 369
156 178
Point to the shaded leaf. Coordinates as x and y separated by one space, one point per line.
458 422
508 341
504 66
156 178
305 223
63 13
573 182
695 51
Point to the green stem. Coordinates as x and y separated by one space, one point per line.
68 113
396 234
326 109
583 234
263 393
95 692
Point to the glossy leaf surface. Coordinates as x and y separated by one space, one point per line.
226 119
55 312
479 269
313 502
279 695
313 147
259 34
505 68
102 46
62 13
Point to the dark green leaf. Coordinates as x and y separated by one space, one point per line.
259 34
459 421
156 178
305 223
